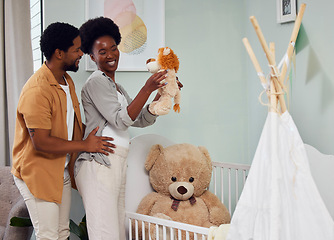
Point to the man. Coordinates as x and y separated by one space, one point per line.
49 133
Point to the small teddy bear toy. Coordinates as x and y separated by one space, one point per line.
166 60
180 174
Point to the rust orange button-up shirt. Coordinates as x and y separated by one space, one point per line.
42 105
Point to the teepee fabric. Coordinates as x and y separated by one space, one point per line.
280 200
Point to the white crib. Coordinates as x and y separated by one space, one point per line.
227 182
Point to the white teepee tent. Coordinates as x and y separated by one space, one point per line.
280 200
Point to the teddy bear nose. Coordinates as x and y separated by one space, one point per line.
182 190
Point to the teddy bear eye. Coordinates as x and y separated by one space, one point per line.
191 179
173 179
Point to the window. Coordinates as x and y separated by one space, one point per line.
36 31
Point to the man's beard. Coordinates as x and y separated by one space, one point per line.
72 68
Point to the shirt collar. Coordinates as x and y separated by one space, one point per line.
105 75
51 78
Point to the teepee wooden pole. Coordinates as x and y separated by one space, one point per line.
293 38
273 90
280 92
255 61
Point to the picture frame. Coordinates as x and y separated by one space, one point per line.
286 10
134 16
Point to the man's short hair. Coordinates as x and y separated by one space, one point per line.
57 35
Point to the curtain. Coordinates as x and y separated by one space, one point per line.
3 134
16 67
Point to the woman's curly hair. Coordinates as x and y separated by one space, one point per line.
57 35
95 28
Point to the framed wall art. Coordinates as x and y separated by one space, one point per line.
286 10
142 27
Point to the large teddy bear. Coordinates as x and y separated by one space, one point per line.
166 60
180 174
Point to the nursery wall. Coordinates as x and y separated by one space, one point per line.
220 108
206 36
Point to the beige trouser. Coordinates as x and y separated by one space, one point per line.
50 220
103 193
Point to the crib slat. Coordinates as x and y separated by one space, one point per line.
143 229
221 184
229 190
179 233
187 235
157 231
214 180
130 228
236 186
171 233
136 227
244 176
164 232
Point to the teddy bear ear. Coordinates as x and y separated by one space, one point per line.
153 155
166 51
206 154
150 60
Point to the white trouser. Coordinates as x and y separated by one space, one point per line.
103 193
50 220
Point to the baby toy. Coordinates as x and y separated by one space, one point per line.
180 174
166 60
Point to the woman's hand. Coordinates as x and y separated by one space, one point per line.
155 81
152 84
